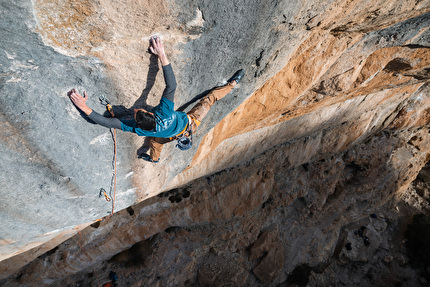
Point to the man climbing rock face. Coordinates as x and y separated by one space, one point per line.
162 124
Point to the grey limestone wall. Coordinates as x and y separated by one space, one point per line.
54 161
52 165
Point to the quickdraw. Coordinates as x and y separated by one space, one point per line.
103 192
104 101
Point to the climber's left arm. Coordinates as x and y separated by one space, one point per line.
156 47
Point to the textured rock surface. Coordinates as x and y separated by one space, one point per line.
55 162
220 230
333 74
330 125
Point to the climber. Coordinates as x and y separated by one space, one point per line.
162 124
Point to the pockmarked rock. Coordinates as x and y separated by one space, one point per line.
329 126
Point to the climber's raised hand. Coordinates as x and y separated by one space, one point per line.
156 47
80 101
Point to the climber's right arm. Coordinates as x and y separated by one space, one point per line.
104 121
81 103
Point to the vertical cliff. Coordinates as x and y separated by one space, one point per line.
329 127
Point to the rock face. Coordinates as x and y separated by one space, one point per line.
275 224
329 126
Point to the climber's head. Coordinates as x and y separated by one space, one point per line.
144 119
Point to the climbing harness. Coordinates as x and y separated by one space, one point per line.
185 138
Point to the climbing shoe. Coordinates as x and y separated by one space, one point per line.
146 157
237 76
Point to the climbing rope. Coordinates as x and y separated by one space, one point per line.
114 172
103 192
104 101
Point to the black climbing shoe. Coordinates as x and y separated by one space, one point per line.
146 157
237 76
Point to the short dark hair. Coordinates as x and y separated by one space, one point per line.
145 121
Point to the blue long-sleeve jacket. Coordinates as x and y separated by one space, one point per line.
168 121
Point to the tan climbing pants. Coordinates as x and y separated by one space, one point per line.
197 113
